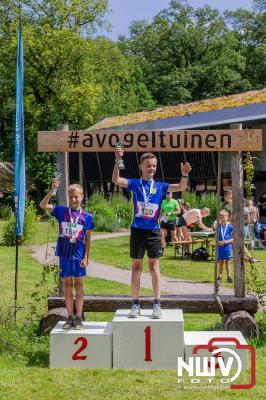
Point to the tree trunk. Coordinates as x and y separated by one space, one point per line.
242 321
51 319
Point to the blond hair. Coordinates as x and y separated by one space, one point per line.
206 210
147 156
75 187
224 212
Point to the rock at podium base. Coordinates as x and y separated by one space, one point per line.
90 347
146 343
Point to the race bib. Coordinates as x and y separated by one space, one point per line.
164 218
146 211
70 230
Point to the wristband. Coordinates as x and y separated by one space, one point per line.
184 176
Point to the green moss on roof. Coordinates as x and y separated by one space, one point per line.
235 100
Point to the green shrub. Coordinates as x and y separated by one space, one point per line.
5 212
31 226
103 215
123 209
110 214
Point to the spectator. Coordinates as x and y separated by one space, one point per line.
262 208
228 200
225 240
253 218
169 210
246 219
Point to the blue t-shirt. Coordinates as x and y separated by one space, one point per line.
84 222
146 215
225 233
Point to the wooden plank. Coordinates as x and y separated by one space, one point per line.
141 141
238 220
62 192
188 303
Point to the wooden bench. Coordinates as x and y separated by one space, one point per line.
188 303
182 244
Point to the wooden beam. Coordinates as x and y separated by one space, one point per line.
62 192
142 141
188 303
238 220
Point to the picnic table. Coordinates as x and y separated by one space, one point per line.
205 235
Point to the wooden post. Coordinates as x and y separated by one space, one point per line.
238 219
80 169
62 193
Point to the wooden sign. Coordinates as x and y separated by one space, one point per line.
144 141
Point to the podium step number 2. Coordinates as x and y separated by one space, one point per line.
90 347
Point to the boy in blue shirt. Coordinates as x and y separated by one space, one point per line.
73 248
145 230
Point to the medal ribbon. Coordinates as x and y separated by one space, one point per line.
73 221
146 198
223 232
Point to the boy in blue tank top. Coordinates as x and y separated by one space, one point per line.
145 230
73 248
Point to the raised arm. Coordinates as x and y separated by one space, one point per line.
182 185
44 204
123 182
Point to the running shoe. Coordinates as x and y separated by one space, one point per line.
156 311
69 322
134 312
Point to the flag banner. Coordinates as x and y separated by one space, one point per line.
19 141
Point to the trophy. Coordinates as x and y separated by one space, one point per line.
57 176
121 164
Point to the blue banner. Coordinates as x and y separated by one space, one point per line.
19 141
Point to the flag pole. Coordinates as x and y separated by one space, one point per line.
19 193
16 282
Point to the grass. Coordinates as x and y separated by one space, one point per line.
24 356
115 252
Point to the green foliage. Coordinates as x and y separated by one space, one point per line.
30 230
249 170
256 281
5 211
188 54
123 209
112 214
103 215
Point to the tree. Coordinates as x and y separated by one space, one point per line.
188 54
69 77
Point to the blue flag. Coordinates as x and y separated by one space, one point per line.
19 141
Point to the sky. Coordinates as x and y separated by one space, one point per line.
122 12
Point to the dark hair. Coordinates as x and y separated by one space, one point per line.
147 156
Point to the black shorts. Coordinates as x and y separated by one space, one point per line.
181 222
171 225
145 239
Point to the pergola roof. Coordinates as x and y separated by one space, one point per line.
242 107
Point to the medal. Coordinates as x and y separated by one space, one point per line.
73 226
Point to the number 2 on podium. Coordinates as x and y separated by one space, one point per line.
84 343
147 344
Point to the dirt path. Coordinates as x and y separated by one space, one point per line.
108 272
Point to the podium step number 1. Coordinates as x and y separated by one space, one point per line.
145 343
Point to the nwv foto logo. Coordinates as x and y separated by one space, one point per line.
208 366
